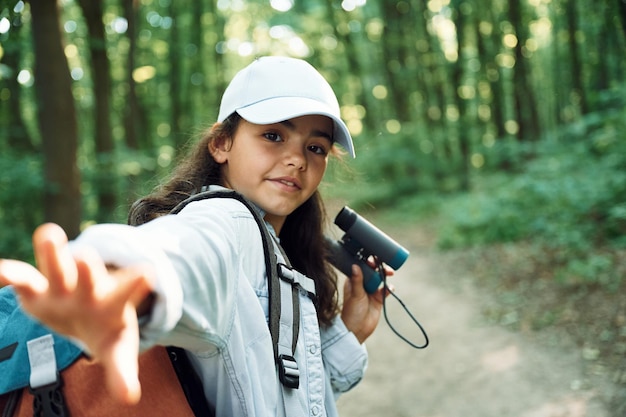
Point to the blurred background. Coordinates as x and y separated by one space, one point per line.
493 129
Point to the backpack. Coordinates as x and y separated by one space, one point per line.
78 389
73 385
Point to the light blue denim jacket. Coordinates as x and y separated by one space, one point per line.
212 299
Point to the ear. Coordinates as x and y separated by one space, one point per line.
219 148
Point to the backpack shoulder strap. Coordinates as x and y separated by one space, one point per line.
284 284
270 256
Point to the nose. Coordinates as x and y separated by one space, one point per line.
295 156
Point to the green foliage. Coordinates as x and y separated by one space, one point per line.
481 219
570 199
129 174
403 163
423 110
21 209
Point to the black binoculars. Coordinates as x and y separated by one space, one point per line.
361 240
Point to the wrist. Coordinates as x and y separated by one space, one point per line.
354 329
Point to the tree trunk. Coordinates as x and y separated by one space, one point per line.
576 64
216 83
57 119
197 74
622 14
131 112
464 124
435 80
525 104
352 60
496 80
559 69
17 134
100 67
394 59
176 59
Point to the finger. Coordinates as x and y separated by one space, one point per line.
25 278
91 272
383 293
122 368
54 259
48 232
357 282
347 287
373 263
85 285
135 283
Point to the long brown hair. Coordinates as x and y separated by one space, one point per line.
302 235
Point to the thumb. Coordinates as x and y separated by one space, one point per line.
120 353
122 368
347 287
356 282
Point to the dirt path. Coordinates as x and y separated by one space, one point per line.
471 368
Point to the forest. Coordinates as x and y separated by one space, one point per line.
100 97
520 103
495 122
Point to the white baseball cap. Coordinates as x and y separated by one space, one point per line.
273 89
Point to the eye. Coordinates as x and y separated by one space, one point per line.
317 149
272 136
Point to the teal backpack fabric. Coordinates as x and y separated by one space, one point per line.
17 329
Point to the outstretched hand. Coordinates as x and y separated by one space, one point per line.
361 311
75 295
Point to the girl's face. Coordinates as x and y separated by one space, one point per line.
277 166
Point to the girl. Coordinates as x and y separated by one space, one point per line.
197 279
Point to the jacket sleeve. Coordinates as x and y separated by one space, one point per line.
194 256
345 359
123 246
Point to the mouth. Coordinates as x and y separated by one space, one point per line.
289 183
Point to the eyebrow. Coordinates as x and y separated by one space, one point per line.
315 132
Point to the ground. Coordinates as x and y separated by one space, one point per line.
475 366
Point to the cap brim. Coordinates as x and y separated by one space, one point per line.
279 109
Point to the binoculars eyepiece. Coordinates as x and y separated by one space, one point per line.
361 240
